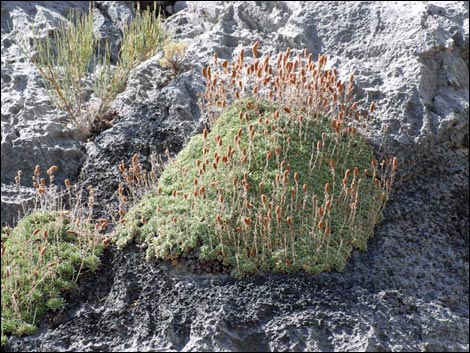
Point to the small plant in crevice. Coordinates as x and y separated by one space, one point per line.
44 255
284 181
136 182
173 58
72 56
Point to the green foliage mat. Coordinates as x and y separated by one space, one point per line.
42 257
267 189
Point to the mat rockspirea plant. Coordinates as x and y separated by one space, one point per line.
284 181
43 257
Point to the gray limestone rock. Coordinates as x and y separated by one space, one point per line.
408 292
34 132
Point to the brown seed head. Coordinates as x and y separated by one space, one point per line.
247 221
292 192
263 199
289 221
255 49
135 158
52 170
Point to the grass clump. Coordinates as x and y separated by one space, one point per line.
284 181
42 257
173 58
68 58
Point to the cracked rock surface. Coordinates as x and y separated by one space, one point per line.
408 292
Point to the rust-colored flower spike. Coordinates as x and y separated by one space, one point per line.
328 205
372 107
135 158
52 170
43 250
37 170
327 188
205 133
395 163
296 177
268 155
289 221
45 234
255 49
263 199
292 192
247 221
67 183
242 56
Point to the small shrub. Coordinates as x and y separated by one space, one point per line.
142 38
48 250
173 59
64 61
34 256
283 182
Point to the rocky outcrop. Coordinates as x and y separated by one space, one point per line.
408 292
34 132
